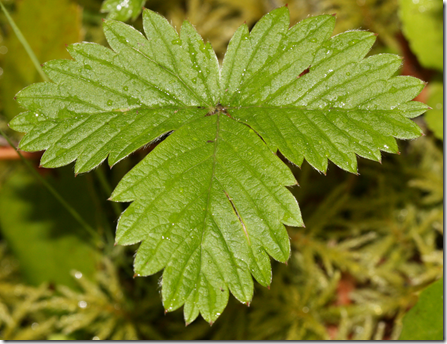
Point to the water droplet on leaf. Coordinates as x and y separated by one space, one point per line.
177 41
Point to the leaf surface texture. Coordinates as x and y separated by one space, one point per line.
210 203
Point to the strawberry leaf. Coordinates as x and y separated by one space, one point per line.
209 203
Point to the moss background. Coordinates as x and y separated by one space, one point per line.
371 243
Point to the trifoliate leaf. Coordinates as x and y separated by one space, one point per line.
210 202
122 9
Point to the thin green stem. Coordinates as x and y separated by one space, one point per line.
64 203
105 227
108 190
25 44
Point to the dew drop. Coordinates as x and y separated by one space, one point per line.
109 102
82 304
177 41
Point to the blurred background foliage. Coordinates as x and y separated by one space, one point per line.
371 243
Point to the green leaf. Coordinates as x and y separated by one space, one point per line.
210 215
122 9
435 116
210 202
422 25
425 321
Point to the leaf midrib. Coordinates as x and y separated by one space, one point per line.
130 74
168 232
165 68
320 81
274 58
208 198
253 51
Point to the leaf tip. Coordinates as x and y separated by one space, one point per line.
211 323
422 134
187 324
334 14
375 34
268 287
398 153
166 311
286 5
247 304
